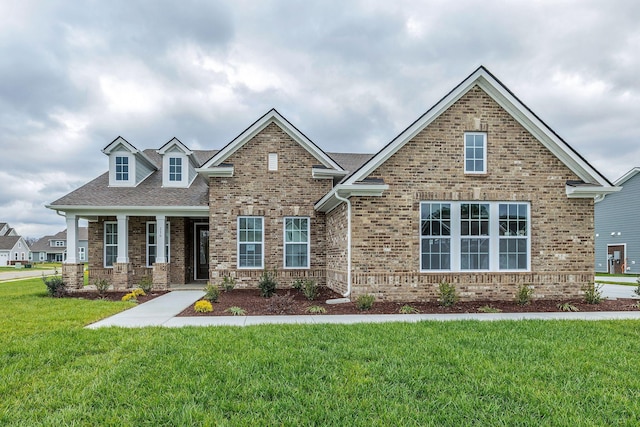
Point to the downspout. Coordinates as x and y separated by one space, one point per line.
348 293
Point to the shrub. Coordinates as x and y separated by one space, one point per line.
146 283
365 302
102 286
316 309
55 286
407 309
236 311
203 306
567 306
298 284
281 304
138 292
268 283
130 297
228 283
447 295
310 289
523 296
212 292
637 289
489 309
592 293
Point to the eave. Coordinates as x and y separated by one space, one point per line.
330 201
325 173
588 191
87 212
222 171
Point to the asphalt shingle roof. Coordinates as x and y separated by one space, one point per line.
8 242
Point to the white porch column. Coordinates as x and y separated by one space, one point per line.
123 239
72 239
161 239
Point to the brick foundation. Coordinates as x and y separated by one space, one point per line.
161 276
73 275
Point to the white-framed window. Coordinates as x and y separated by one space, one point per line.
296 242
122 168
175 169
43 256
475 152
152 242
59 244
475 236
110 243
250 242
81 253
15 256
22 256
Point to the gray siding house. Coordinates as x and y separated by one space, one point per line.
54 248
617 227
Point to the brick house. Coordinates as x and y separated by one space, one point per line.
478 192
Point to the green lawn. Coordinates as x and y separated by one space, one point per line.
54 372
36 266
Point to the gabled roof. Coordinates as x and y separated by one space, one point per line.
272 116
8 242
624 178
121 142
507 100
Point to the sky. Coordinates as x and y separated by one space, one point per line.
350 75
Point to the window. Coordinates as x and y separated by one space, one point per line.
475 153
81 253
30 256
22 256
473 236
250 242
110 243
435 242
175 169
43 256
152 243
59 243
296 242
122 168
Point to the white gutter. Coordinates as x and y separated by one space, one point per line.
346 294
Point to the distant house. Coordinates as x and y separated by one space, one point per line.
477 192
13 247
54 248
617 227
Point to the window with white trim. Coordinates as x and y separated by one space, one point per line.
250 242
122 168
152 242
81 253
474 236
475 152
59 243
175 169
296 242
110 243
43 256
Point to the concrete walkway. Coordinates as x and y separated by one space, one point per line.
161 311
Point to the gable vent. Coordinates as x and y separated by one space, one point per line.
273 161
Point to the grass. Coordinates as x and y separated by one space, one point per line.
35 266
617 275
54 372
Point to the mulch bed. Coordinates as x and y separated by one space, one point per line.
296 304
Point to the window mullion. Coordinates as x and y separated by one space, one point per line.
494 237
455 236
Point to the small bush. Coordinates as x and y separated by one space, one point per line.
55 286
236 311
637 289
310 289
146 284
298 284
407 309
447 295
365 302
592 293
228 283
281 304
212 292
130 297
524 294
268 283
102 286
138 292
203 306
316 309
567 306
489 309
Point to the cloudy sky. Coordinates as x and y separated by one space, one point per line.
349 74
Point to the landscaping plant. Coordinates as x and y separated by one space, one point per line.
236 311
212 292
489 309
316 309
365 302
524 294
407 309
146 284
268 283
637 289
102 286
567 306
55 286
203 306
592 293
228 283
447 295
281 304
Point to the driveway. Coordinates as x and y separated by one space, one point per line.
24 273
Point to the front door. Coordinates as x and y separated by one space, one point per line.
616 259
201 253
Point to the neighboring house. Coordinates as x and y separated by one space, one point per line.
13 247
618 227
54 248
477 192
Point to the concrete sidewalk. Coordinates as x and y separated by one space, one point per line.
161 311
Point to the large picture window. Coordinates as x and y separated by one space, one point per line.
110 243
152 243
474 236
250 242
296 242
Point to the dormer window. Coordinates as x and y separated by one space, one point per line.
122 168
175 169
